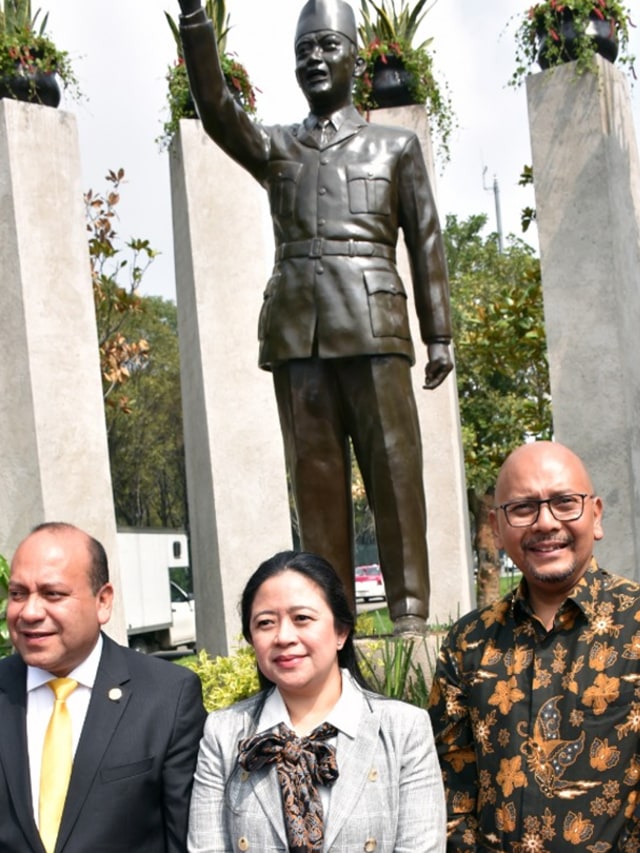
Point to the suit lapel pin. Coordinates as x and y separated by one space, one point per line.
115 694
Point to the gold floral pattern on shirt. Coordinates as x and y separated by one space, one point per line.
602 756
510 775
538 731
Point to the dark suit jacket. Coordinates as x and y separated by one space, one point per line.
132 772
337 211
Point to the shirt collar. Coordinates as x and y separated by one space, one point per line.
85 673
344 715
582 596
337 119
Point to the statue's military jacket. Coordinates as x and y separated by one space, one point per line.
336 208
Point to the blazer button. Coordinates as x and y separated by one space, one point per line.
373 775
244 775
370 845
243 843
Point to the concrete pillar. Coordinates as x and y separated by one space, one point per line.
53 443
587 184
448 531
238 504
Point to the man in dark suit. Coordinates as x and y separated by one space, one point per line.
136 721
334 328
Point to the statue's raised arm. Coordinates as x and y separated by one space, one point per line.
222 117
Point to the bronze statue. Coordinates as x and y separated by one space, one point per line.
334 328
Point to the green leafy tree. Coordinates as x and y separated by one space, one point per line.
501 365
146 448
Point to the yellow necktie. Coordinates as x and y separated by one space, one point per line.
57 758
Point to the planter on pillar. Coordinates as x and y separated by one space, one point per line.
602 34
552 34
32 86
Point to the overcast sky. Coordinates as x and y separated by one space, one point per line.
121 51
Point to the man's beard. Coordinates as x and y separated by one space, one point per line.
549 576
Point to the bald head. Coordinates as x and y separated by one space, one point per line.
98 566
541 457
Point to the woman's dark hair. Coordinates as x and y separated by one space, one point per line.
321 573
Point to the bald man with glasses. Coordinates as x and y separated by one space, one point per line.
535 702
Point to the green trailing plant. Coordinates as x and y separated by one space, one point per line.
179 100
387 31
5 642
546 21
25 47
528 213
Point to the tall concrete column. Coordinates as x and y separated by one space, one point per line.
587 184
238 504
53 443
448 531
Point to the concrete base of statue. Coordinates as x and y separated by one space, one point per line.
53 442
587 183
448 530
238 503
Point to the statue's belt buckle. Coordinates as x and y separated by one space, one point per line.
315 249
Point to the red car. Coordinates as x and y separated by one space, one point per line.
369 583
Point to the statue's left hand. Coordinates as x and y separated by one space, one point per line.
439 366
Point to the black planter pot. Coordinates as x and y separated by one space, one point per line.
603 34
35 87
391 83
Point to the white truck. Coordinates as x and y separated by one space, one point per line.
159 612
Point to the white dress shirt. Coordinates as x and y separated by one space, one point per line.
40 700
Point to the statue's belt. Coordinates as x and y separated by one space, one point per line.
318 247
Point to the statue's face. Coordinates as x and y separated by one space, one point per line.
326 63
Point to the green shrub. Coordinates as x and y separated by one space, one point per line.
225 680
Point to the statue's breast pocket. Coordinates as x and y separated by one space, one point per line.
282 184
369 188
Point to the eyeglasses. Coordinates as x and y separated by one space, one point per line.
562 508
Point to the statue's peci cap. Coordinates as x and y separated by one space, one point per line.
327 15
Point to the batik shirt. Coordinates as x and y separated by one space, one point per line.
538 732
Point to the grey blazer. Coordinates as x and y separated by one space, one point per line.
388 797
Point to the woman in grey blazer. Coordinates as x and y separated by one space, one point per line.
316 761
